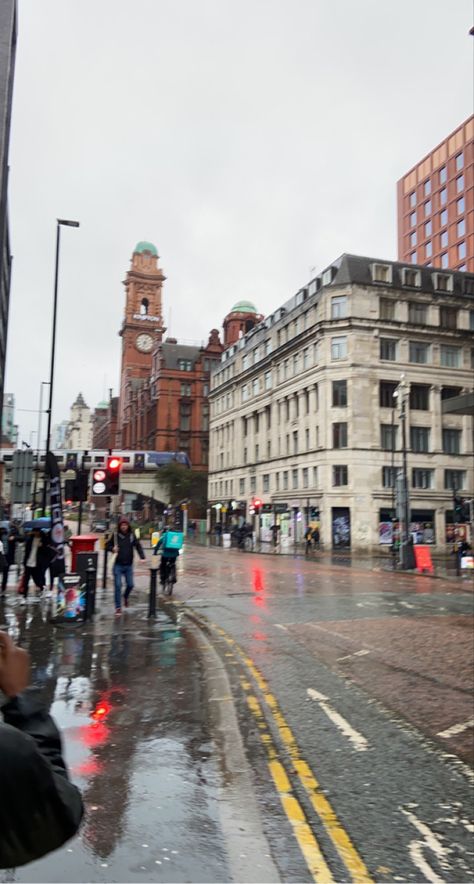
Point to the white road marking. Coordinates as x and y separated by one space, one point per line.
358 741
280 626
431 842
361 653
456 729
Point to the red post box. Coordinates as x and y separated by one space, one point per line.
82 543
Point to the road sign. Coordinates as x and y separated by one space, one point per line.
22 475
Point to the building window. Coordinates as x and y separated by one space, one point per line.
277 481
286 368
266 482
443 218
245 393
420 439
412 219
427 208
444 239
420 397
185 389
471 320
285 480
460 205
306 435
417 313
315 477
454 480
411 278
418 352
388 437
339 394
448 317
461 228
450 357
387 308
443 196
428 228
388 349
461 251
389 475
421 478
253 484
413 199
444 260
428 250
381 272
386 391
427 187
451 441
241 486
460 183
306 358
296 363
339 307
294 478
338 348
442 175
450 392
295 441
459 162
255 386
339 475
268 380
339 435
413 239
305 477
287 409
413 257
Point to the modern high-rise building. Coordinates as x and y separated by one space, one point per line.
436 205
8 30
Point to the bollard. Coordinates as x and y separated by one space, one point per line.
104 576
90 594
155 564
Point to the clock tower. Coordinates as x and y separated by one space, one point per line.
142 326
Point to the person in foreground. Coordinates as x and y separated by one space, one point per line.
40 809
123 544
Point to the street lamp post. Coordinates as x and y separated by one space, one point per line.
60 222
405 557
38 442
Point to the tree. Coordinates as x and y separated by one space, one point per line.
183 484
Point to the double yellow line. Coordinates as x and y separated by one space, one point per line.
306 839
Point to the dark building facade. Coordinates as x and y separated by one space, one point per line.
8 34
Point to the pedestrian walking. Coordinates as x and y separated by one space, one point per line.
316 536
38 557
308 538
124 543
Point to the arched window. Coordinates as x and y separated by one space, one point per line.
144 307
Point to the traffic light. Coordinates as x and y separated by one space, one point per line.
257 506
99 487
114 466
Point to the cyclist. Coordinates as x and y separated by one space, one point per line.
168 559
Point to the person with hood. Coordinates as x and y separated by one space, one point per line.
39 554
123 544
40 808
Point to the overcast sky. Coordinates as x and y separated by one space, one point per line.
250 140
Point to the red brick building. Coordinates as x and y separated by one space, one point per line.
164 384
436 205
104 423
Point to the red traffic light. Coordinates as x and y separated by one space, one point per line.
257 503
114 464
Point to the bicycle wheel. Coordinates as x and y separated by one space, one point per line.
168 587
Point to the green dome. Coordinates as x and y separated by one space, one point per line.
146 247
244 307
103 404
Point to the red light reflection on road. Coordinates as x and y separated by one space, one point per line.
259 636
257 580
95 734
88 768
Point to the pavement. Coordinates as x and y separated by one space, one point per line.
279 720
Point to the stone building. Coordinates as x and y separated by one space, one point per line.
303 414
79 428
104 424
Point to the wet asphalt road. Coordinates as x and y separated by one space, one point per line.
348 687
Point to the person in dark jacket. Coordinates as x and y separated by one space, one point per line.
123 544
38 557
9 539
40 809
168 559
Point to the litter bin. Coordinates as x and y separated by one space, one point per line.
226 541
82 543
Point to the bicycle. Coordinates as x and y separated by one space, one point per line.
170 577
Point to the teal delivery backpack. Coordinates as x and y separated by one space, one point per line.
173 540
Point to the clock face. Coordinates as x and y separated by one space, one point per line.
144 343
